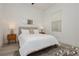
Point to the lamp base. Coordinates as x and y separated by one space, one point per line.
11 31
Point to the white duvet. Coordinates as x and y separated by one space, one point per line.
35 42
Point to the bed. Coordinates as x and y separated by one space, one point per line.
30 40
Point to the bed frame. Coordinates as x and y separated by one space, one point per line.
27 28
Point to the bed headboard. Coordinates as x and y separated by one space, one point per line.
27 28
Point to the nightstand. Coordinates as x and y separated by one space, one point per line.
11 38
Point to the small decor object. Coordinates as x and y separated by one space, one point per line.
29 21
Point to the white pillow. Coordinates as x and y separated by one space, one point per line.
36 31
23 31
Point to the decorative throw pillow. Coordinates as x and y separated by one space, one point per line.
25 31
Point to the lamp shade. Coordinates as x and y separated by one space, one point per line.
11 26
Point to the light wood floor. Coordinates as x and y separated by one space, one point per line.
8 49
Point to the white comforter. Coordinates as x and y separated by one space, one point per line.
35 42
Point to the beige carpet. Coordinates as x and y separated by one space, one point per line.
62 50
59 51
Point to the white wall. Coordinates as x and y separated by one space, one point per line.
70 19
18 14
1 37
1 23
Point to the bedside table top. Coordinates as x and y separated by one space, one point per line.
11 34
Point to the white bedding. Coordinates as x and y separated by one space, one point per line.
35 42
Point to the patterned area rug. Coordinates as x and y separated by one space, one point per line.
55 51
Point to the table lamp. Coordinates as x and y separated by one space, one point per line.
11 27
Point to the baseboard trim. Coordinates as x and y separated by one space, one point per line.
67 45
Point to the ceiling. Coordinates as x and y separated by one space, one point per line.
39 6
43 6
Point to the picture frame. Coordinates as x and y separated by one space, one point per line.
29 21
